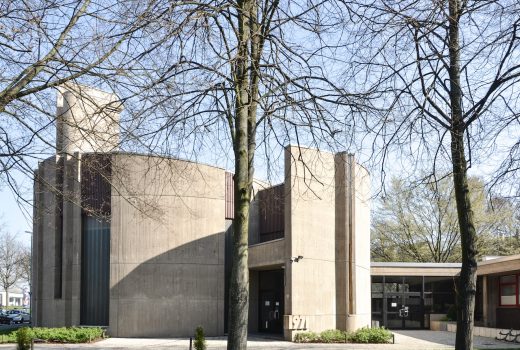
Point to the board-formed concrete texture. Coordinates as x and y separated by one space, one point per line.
152 232
167 248
310 232
57 227
327 222
87 120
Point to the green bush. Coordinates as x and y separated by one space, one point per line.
371 336
363 335
69 335
452 313
333 336
307 337
200 341
56 335
8 336
23 338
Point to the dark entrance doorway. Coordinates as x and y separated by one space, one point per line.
271 307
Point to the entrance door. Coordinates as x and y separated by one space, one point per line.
404 311
270 313
271 301
414 313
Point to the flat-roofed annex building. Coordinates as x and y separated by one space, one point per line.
410 295
141 243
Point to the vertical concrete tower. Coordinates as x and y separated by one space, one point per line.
87 120
327 239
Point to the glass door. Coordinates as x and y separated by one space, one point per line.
403 302
394 313
413 316
271 314
271 307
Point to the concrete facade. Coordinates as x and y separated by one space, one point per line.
166 247
166 266
87 120
169 230
56 254
327 222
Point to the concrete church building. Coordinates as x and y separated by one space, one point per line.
141 243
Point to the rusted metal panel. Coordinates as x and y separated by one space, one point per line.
272 202
96 173
230 197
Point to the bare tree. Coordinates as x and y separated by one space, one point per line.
47 43
446 72
10 256
243 78
25 265
192 75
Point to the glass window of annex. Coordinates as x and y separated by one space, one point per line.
406 302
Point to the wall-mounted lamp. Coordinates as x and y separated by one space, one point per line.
296 258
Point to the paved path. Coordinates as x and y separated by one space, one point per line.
404 340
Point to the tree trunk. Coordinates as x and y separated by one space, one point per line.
466 288
239 281
6 298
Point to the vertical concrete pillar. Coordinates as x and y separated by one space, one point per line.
71 238
36 249
359 310
353 305
48 308
327 222
310 288
343 230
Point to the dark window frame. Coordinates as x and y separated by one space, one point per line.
501 285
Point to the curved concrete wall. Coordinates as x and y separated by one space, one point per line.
167 247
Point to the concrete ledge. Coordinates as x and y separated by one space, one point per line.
267 254
477 331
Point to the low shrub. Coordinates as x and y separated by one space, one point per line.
56 335
307 337
363 335
23 339
69 334
200 340
371 336
451 315
333 336
8 336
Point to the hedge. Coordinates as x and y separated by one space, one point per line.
56 335
363 335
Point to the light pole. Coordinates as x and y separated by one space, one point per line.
30 277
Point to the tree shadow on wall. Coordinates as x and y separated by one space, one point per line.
170 294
